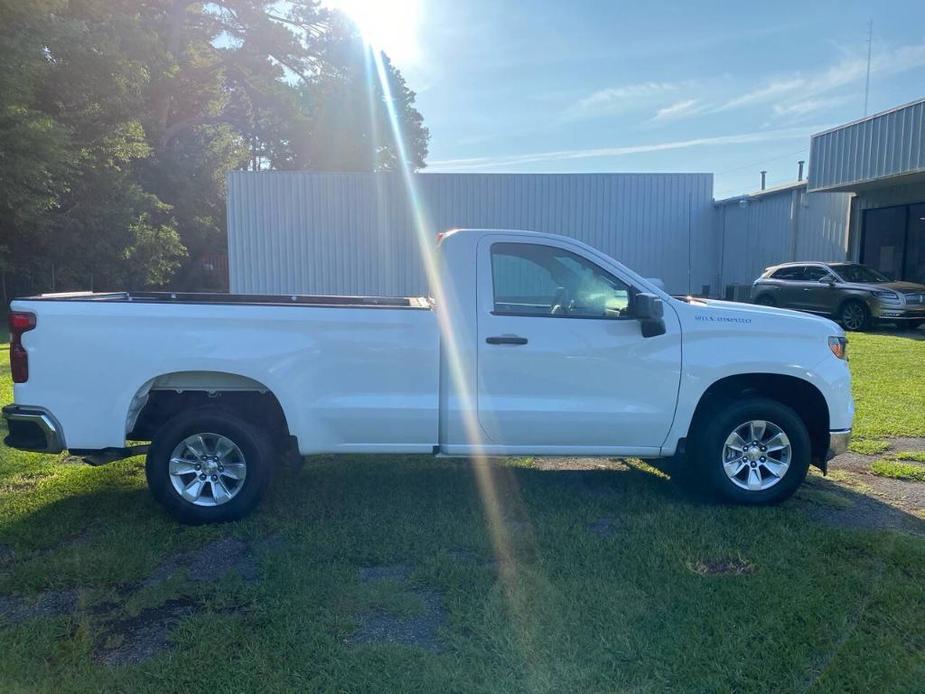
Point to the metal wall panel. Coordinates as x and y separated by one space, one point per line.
883 145
353 233
757 231
822 232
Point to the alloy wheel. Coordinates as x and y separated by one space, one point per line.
756 455
207 469
853 317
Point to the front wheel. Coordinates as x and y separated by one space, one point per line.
208 466
855 316
753 451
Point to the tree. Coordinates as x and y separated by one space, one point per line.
120 118
346 105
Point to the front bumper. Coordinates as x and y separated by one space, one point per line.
838 443
32 429
892 312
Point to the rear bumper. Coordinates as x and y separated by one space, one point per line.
32 429
838 442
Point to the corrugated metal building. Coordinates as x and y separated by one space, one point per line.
881 160
353 233
777 225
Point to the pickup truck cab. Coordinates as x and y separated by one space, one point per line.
533 344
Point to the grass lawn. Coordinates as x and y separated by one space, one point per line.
382 575
889 386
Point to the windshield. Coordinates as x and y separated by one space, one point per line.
859 273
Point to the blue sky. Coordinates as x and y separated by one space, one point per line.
722 87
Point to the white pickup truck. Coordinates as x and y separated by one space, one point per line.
534 344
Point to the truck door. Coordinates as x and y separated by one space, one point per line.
561 360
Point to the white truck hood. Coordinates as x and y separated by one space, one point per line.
716 311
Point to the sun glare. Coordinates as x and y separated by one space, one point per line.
388 26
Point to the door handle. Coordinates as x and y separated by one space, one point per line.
506 340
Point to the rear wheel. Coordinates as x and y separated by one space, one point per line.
208 465
753 451
855 315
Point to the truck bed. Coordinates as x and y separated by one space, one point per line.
406 302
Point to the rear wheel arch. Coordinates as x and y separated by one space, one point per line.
798 394
162 398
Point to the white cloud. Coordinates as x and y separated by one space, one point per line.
803 92
800 93
615 100
679 109
811 105
482 163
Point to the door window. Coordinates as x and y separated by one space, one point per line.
536 280
814 273
792 273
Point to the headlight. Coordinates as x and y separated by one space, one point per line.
886 295
839 346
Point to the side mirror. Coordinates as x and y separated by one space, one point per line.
650 311
829 280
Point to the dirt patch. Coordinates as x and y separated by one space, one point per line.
907 444
853 497
871 501
580 464
379 626
210 563
722 567
50 603
603 528
421 631
136 639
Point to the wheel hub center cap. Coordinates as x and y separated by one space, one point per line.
753 453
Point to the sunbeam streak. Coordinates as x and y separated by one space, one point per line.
461 380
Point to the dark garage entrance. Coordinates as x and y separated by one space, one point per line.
893 241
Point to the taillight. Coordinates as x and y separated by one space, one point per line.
20 322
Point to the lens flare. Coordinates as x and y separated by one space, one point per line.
456 365
391 27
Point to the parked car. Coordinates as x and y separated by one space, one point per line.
534 344
856 295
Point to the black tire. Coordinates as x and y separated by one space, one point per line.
848 311
255 446
708 444
765 300
911 324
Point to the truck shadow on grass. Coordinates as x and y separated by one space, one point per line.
392 536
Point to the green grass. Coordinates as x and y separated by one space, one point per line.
898 470
869 446
680 595
888 389
889 385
